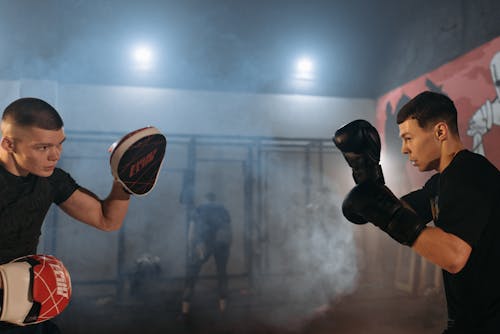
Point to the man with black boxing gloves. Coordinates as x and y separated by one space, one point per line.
30 147
462 199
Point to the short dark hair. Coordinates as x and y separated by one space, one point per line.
30 111
428 108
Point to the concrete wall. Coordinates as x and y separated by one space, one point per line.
105 108
119 108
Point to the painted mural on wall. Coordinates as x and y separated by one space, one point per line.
472 81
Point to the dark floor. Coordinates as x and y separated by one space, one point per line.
370 309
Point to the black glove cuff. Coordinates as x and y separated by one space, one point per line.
405 226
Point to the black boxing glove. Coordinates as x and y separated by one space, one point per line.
373 202
359 142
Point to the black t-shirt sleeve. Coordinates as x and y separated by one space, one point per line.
63 185
419 201
463 209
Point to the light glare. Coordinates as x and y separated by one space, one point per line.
305 65
143 57
304 70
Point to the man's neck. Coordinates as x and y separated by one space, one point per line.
449 149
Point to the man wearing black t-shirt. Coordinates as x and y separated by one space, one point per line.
463 200
30 147
209 235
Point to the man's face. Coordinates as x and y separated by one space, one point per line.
36 150
421 145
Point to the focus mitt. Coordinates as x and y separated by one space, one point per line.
36 288
136 159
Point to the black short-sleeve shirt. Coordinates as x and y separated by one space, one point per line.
24 202
210 220
465 200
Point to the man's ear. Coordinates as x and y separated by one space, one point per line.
441 130
7 144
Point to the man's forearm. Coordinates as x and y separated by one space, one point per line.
443 249
115 206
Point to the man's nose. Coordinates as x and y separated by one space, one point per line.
54 154
404 149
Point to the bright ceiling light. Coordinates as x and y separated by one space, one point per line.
305 65
143 57
304 69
